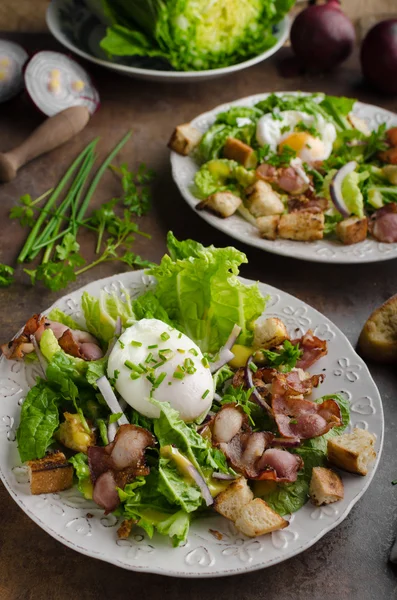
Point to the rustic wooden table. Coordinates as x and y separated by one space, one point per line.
351 561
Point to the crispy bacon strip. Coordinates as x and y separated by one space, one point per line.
299 418
313 349
383 224
21 345
279 465
69 344
118 463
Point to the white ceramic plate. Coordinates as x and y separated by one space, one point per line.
327 251
79 26
80 524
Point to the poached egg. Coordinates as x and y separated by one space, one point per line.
289 128
151 359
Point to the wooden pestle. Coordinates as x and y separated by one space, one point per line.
54 132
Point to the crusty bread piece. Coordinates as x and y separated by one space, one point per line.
268 226
325 486
352 451
50 474
262 200
269 333
242 153
231 501
301 225
257 518
378 338
223 204
352 230
184 139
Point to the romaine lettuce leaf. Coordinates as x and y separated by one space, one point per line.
58 315
101 313
202 295
82 472
176 488
352 195
39 420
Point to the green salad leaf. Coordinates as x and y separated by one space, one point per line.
39 420
352 195
176 488
60 317
101 313
284 360
82 472
202 294
192 34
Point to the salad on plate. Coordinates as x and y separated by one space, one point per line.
184 400
298 167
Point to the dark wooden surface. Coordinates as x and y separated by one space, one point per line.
351 561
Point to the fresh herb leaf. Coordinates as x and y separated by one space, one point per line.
285 359
137 199
6 275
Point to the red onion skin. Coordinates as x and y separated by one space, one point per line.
322 36
379 56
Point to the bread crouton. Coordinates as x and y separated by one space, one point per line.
223 204
242 153
269 333
352 230
125 528
325 486
50 474
257 518
184 139
268 226
262 200
231 501
352 451
301 225
378 338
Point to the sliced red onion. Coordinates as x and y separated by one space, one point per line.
112 430
12 59
55 82
110 398
286 442
117 333
250 383
335 188
199 481
225 476
117 328
40 356
225 354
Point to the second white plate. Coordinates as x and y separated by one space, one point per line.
325 251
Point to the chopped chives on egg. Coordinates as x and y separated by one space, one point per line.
137 344
153 346
135 375
205 363
189 366
193 351
159 364
149 358
181 350
164 336
159 380
253 367
178 373
179 336
121 344
133 367
205 394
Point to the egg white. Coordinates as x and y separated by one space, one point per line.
269 132
184 395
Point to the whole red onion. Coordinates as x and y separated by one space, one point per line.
322 36
379 56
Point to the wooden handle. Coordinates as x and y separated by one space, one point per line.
54 132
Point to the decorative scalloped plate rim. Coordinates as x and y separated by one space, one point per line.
204 555
54 17
325 251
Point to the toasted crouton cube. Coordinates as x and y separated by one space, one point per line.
231 501
325 486
268 226
269 333
125 528
71 433
257 518
184 139
302 225
352 451
242 153
262 200
223 204
50 474
352 230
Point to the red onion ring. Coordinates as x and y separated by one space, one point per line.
199 481
225 476
225 354
250 383
40 356
110 398
335 187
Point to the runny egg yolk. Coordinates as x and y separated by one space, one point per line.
297 141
